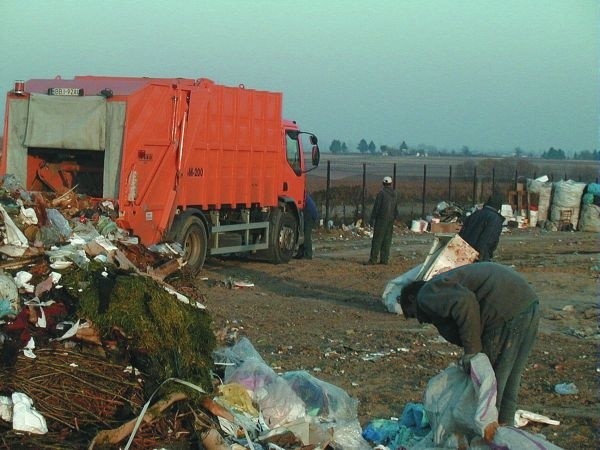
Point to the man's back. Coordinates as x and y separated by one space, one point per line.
482 231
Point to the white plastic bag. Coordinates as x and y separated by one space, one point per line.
25 417
460 406
394 288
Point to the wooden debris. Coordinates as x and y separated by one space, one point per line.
119 434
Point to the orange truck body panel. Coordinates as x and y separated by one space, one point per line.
185 143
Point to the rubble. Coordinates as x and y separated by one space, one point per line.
80 302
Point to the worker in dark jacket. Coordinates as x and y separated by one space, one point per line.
311 217
383 215
482 229
483 307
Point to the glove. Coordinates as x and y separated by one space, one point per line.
490 432
465 362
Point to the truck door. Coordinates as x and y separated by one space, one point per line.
293 173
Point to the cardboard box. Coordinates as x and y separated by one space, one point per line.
445 227
447 252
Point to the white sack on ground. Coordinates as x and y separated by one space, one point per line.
543 188
589 220
567 198
394 288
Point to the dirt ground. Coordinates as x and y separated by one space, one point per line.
326 316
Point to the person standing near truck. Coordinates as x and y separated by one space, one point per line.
470 308
482 229
311 217
383 215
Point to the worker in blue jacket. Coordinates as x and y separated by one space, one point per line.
311 217
482 229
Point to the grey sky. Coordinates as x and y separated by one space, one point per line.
492 75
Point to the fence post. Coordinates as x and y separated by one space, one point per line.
364 189
450 184
327 194
474 184
394 178
516 178
493 179
424 190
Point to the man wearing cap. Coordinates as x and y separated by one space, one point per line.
383 215
482 229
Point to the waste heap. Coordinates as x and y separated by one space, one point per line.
98 349
89 328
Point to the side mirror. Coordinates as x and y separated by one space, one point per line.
316 154
313 140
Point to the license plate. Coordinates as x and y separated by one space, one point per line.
65 91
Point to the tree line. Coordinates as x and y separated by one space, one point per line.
340 147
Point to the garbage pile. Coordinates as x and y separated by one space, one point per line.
99 351
89 328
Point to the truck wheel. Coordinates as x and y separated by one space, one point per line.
192 237
284 236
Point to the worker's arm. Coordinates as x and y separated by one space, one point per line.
489 238
375 210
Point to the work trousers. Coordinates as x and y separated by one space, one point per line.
308 245
508 348
381 242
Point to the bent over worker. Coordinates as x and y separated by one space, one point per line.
383 215
482 307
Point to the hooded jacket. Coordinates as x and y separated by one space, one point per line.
482 231
465 302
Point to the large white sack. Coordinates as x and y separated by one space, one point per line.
543 188
590 219
460 406
394 288
566 198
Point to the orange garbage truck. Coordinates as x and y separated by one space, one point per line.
213 167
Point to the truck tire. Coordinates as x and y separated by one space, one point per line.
192 237
283 237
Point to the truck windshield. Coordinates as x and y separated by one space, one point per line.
293 150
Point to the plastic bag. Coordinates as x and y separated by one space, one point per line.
58 221
276 400
25 417
232 357
322 399
15 240
590 218
460 406
394 288
457 404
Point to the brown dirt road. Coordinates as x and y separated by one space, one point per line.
326 316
